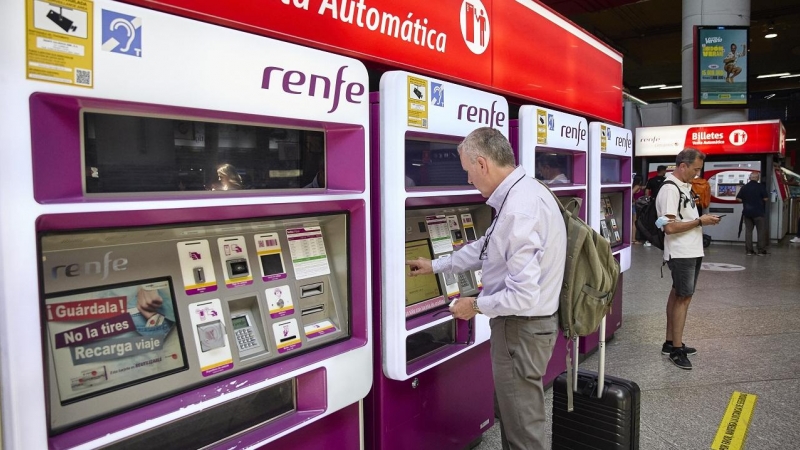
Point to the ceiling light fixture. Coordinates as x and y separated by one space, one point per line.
657 86
773 75
791 76
791 139
770 35
769 96
677 86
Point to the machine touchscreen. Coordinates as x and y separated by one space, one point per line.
109 337
421 287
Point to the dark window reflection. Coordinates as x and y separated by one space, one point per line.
145 154
433 164
554 168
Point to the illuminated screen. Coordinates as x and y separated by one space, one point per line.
726 190
722 63
421 287
110 337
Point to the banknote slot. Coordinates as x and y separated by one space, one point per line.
311 290
313 310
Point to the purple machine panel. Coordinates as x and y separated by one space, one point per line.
447 406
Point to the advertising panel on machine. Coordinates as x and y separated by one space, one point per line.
720 79
111 337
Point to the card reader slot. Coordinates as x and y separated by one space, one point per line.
311 290
312 310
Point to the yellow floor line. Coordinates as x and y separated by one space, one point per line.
733 429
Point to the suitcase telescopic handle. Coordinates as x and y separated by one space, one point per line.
601 370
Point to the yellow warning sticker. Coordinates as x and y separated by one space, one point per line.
541 126
59 41
733 428
417 102
603 140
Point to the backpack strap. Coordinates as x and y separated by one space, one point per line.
681 196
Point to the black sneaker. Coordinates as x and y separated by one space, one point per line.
667 348
678 357
750 253
763 253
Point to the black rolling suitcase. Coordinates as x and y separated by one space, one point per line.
610 421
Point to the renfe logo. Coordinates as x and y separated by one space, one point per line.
577 133
475 26
92 267
623 142
490 118
294 82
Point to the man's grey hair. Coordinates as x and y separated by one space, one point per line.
688 156
489 143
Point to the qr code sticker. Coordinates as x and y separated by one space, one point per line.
83 77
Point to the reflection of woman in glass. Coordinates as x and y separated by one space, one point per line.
229 179
730 63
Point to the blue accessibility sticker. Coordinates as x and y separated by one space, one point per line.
437 94
122 33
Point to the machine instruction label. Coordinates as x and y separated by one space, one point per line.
59 42
417 102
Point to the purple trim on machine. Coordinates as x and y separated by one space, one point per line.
217 369
338 431
217 388
56 148
201 290
278 276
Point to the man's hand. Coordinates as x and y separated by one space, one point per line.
420 266
708 219
462 308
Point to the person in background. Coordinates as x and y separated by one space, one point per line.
637 191
654 184
522 256
229 178
753 197
796 239
683 249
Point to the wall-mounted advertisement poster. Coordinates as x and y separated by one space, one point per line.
110 337
721 67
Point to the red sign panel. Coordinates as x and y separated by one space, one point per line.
518 48
742 138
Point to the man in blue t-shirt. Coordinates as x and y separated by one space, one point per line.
753 197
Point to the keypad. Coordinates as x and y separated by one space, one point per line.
245 338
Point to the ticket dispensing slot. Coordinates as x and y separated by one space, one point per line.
317 310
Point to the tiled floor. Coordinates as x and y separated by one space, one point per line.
745 325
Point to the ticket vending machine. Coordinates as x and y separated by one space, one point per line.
732 150
726 179
610 206
188 262
553 147
433 383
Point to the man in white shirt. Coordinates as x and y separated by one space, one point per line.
683 248
522 257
